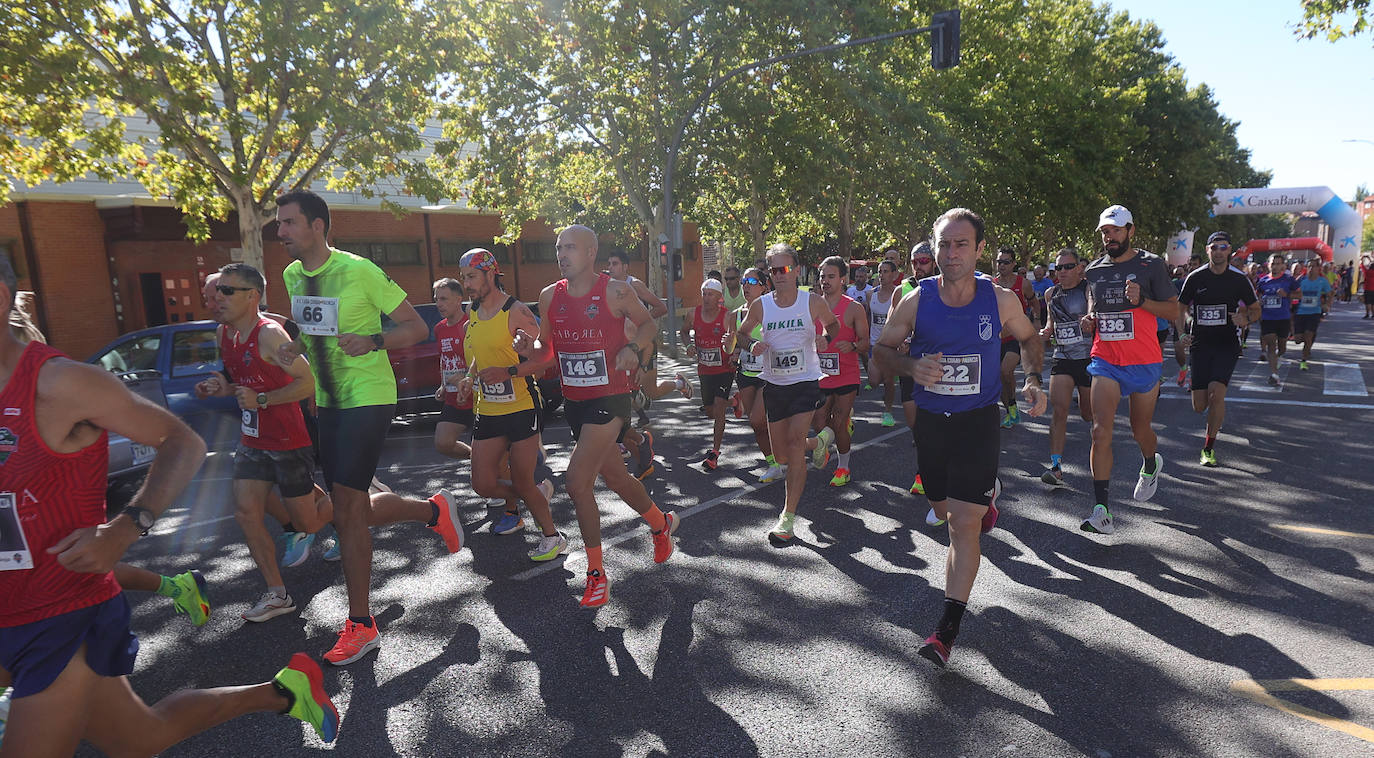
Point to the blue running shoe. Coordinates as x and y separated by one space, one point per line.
509 523
295 548
331 549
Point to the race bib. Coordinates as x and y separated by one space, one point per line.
709 357
750 362
249 423
500 392
1068 334
1270 302
316 315
14 546
1211 315
584 369
1310 301
830 363
1116 327
879 319
787 362
959 375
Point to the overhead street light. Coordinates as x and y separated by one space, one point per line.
944 53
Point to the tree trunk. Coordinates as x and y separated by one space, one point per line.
846 218
250 231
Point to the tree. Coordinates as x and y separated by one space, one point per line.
246 100
1334 18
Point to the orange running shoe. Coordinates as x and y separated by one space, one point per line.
663 541
449 526
598 590
355 641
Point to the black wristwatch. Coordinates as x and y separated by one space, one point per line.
141 516
378 341
262 399
513 370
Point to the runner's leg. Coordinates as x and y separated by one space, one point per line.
448 440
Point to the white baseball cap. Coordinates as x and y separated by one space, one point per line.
712 284
1116 215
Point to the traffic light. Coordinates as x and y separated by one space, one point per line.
663 253
677 267
944 40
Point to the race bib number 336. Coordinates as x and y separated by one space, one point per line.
1115 327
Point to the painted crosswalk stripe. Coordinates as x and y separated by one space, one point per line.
1258 380
1344 379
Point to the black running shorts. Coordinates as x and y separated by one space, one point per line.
599 410
1278 326
292 470
351 442
1077 368
515 427
1212 364
715 386
460 416
783 401
959 453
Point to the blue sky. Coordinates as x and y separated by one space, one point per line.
1295 100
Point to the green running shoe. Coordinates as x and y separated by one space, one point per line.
783 531
1208 458
302 683
193 597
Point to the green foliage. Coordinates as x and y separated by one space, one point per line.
1334 18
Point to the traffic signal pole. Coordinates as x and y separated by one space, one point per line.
944 53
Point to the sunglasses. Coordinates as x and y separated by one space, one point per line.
1005 263
1220 246
1066 267
753 281
228 291
922 261
780 270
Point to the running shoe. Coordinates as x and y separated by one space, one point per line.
1146 485
712 460
888 420
773 474
867 387
683 385
918 487
295 548
1100 522
449 526
663 541
990 518
302 683
821 455
934 651
932 519
624 450
1014 414
331 549
1007 423
645 464
1053 475
1183 377
377 486
1302 366
509 523
193 597
269 606
355 641
546 487
549 547
638 400
1208 458
783 531
841 478
598 590
1273 380
736 406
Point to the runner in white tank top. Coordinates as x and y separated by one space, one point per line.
879 306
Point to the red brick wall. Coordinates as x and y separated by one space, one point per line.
73 286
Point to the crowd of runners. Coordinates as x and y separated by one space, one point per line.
317 392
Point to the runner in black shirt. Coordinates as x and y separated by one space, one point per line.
1212 296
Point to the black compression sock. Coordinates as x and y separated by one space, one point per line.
1150 466
948 628
364 620
1100 490
434 520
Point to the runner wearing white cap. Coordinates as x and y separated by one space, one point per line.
704 335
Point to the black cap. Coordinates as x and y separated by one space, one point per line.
1219 236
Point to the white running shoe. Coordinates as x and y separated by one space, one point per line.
546 487
269 606
773 474
1100 522
377 486
932 519
549 548
1146 485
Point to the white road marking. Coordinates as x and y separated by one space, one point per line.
1344 379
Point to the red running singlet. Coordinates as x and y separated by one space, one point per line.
840 369
276 427
586 339
709 337
451 358
44 496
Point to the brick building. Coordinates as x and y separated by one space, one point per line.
104 259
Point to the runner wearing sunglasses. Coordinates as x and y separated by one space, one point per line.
1068 304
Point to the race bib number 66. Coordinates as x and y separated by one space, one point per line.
316 315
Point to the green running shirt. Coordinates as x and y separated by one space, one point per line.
347 295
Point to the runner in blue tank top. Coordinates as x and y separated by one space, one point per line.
955 322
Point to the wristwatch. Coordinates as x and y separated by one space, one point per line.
378 341
141 516
262 399
513 370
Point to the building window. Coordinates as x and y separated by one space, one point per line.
539 252
386 253
451 251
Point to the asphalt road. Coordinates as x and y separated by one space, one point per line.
1144 643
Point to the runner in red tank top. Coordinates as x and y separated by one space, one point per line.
840 366
704 336
65 644
583 323
274 447
455 418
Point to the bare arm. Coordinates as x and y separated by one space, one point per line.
858 321
302 385
656 311
625 303
541 357
901 321
1015 323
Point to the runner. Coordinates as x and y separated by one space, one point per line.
954 321
1068 304
509 410
1127 289
746 399
274 447
338 299
1274 289
1007 278
1211 295
704 335
65 645
455 418
734 292
922 266
879 305
618 267
860 292
584 323
840 369
1367 282
1315 298
791 372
